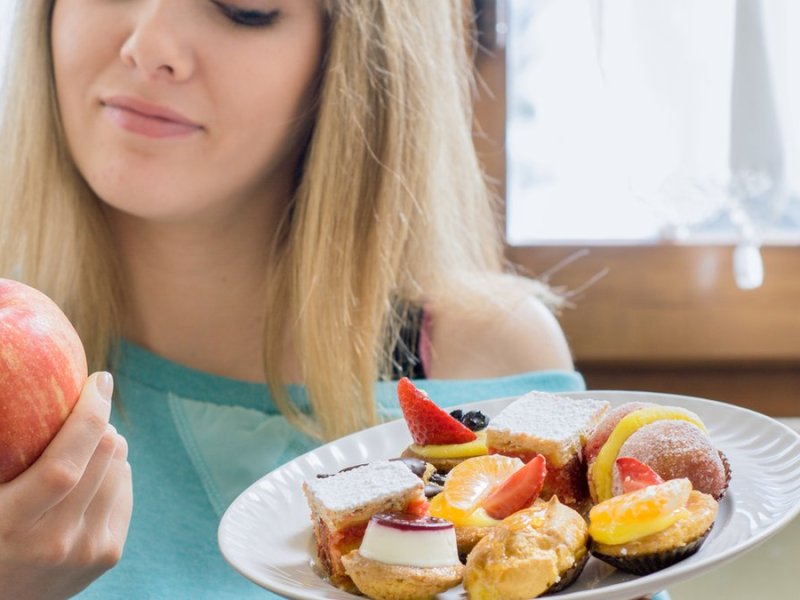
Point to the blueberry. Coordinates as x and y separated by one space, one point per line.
475 420
456 414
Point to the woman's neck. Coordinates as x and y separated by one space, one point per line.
195 292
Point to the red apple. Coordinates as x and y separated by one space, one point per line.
42 371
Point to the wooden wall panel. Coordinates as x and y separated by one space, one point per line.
670 319
675 304
772 390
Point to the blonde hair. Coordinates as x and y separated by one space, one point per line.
52 233
391 205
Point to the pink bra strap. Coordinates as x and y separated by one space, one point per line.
424 349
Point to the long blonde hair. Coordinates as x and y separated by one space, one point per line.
391 206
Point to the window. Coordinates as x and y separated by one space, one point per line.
644 121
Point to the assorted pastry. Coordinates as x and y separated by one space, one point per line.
479 493
672 441
440 438
343 504
652 524
541 423
534 551
404 557
514 506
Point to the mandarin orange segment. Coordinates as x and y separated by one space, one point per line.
640 513
473 479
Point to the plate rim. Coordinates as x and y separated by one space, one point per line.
639 585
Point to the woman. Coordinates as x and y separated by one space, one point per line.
252 211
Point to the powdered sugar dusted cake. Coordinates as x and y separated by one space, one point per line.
555 426
342 504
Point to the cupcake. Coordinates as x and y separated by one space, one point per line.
650 527
537 550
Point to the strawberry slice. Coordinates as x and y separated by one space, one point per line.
429 424
518 491
635 475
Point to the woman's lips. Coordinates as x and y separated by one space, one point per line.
147 119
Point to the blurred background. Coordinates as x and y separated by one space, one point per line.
648 158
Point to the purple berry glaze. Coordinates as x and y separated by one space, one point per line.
406 522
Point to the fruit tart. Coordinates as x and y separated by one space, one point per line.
405 557
482 491
653 524
537 550
439 438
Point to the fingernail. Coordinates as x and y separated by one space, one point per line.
105 384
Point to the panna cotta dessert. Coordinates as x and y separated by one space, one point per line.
404 557
402 539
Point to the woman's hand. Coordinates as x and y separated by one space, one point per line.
64 521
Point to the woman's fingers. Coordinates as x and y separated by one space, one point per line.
62 465
119 518
82 495
112 505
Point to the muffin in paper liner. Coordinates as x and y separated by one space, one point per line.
650 563
727 466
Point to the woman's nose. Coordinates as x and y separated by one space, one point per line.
157 45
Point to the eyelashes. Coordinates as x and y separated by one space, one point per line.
247 17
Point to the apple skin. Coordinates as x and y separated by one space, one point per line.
42 370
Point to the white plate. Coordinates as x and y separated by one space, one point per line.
266 533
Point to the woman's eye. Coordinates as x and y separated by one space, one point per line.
247 17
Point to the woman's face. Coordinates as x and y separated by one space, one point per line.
182 109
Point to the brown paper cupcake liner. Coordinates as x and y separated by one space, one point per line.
727 466
650 563
569 576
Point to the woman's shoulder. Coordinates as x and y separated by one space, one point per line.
496 327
